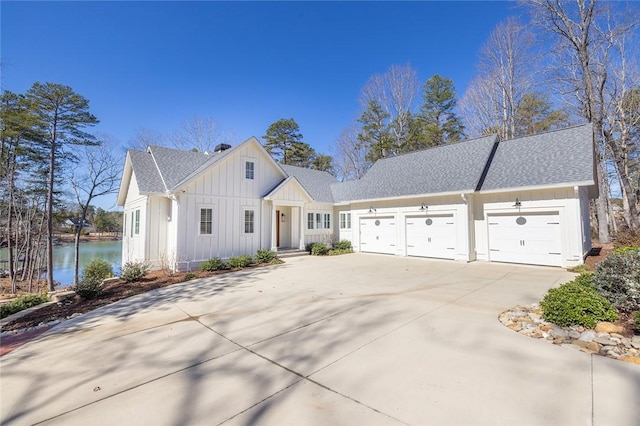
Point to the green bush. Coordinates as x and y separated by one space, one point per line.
239 262
318 249
266 256
215 264
579 269
638 321
342 245
97 270
617 278
189 276
88 289
134 271
90 285
577 303
22 303
336 252
626 249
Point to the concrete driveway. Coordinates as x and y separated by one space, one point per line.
354 340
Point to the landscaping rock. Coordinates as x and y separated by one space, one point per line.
587 336
631 359
605 341
611 343
607 327
559 333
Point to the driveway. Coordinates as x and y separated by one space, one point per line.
354 340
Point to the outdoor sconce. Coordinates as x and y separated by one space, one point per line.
372 210
282 216
518 204
424 207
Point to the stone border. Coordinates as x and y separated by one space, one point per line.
56 297
604 340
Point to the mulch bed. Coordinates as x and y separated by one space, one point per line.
112 292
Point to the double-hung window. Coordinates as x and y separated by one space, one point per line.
249 170
206 221
345 220
249 221
318 220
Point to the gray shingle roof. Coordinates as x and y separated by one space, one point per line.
455 167
548 159
316 183
552 158
146 172
174 165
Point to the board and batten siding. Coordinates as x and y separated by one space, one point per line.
224 189
566 202
159 255
133 245
318 235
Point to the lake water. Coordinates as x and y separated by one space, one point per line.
111 251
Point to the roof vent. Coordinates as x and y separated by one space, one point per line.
221 147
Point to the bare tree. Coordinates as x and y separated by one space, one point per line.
506 69
201 133
143 137
585 34
350 155
395 92
99 176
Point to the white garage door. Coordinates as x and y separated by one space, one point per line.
432 236
527 238
378 235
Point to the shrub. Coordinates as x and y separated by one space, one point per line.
577 303
626 249
318 249
90 286
579 269
88 289
617 278
336 252
638 321
266 256
215 264
97 270
189 276
134 271
239 262
342 245
21 303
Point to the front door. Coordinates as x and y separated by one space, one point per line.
277 228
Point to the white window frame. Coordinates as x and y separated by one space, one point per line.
201 222
251 223
136 229
345 220
318 220
249 169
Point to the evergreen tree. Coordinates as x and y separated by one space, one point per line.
438 123
535 114
375 135
63 115
283 141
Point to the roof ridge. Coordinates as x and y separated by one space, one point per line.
546 132
164 183
429 148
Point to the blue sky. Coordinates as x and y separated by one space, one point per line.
154 64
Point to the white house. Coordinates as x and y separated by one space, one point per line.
524 200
